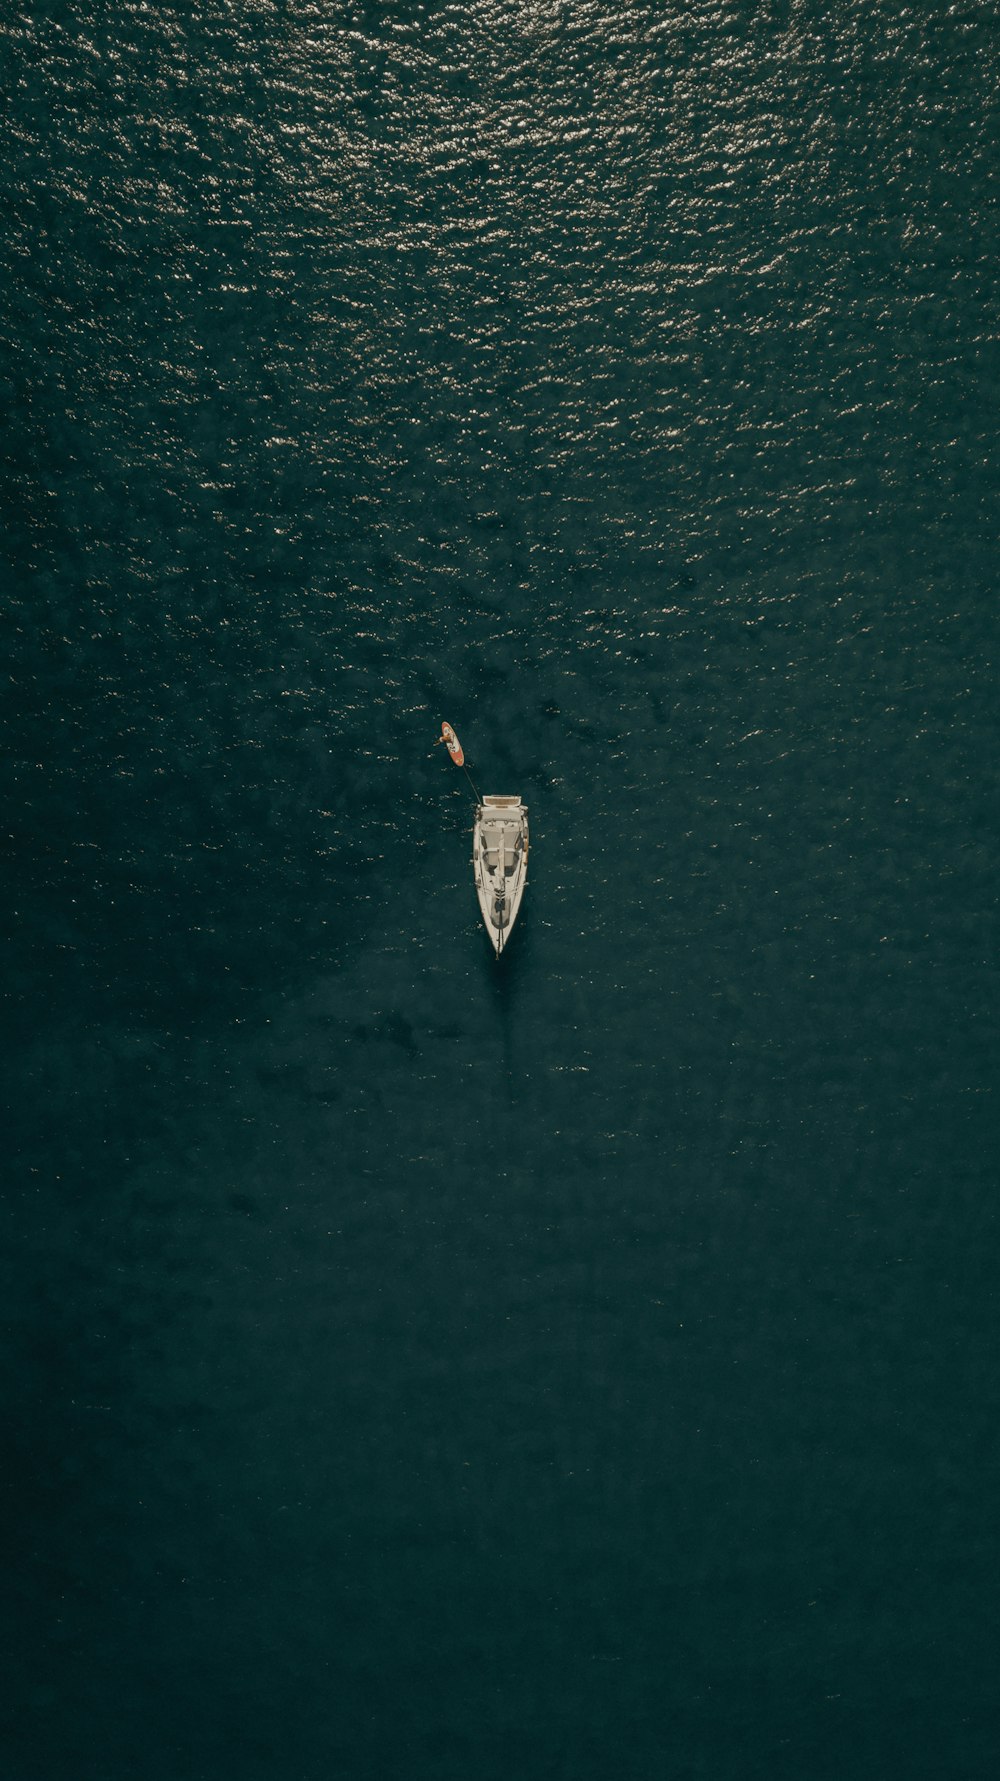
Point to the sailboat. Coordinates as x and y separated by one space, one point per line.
499 851
500 864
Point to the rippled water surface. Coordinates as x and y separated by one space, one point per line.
581 1367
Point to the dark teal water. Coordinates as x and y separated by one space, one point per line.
585 1367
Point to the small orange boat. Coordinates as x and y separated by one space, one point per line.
453 745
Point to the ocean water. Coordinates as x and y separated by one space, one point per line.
419 1368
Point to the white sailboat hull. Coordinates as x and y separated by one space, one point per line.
500 864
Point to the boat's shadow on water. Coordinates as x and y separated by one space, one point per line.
504 982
